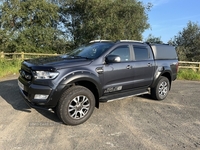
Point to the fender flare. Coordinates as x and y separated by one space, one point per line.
76 76
162 71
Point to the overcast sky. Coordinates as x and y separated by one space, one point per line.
168 17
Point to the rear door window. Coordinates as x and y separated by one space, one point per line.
141 53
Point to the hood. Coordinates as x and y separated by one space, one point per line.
57 62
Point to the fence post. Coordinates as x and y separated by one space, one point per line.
2 54
22 55
199 67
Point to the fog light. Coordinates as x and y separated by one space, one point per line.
40 96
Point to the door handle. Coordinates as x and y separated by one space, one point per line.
129 67
149 65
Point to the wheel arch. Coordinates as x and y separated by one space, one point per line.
85 79
165 73
91 86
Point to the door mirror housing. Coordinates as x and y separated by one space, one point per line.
113 59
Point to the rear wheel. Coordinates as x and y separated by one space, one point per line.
76 105
160 91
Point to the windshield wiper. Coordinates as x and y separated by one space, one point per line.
75 56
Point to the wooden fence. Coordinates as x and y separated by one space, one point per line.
22 55
189 65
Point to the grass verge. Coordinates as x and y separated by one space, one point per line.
8 67
188 74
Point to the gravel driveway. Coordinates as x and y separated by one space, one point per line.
128 124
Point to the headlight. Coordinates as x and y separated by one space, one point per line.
45 74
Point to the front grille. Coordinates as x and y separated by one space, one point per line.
25 68
25 72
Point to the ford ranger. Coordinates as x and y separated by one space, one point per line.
73 84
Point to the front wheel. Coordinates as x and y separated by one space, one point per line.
76 105
160 91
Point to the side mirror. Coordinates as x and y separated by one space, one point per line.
113 59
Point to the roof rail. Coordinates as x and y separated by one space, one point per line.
130 41
157 43
94 41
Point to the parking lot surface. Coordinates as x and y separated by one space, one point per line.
131 123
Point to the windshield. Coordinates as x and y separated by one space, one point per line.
91 51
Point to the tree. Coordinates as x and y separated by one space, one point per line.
51 25
29 26
153 39
104 19
187 42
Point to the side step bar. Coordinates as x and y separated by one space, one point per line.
119 96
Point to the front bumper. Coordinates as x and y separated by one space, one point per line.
29 90
32 105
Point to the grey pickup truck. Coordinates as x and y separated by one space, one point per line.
73 84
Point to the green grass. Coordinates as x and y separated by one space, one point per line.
8 67
188 74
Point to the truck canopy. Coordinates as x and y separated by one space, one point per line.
164 51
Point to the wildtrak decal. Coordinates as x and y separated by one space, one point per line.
113 89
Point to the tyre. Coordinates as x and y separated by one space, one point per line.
160 91
76 105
